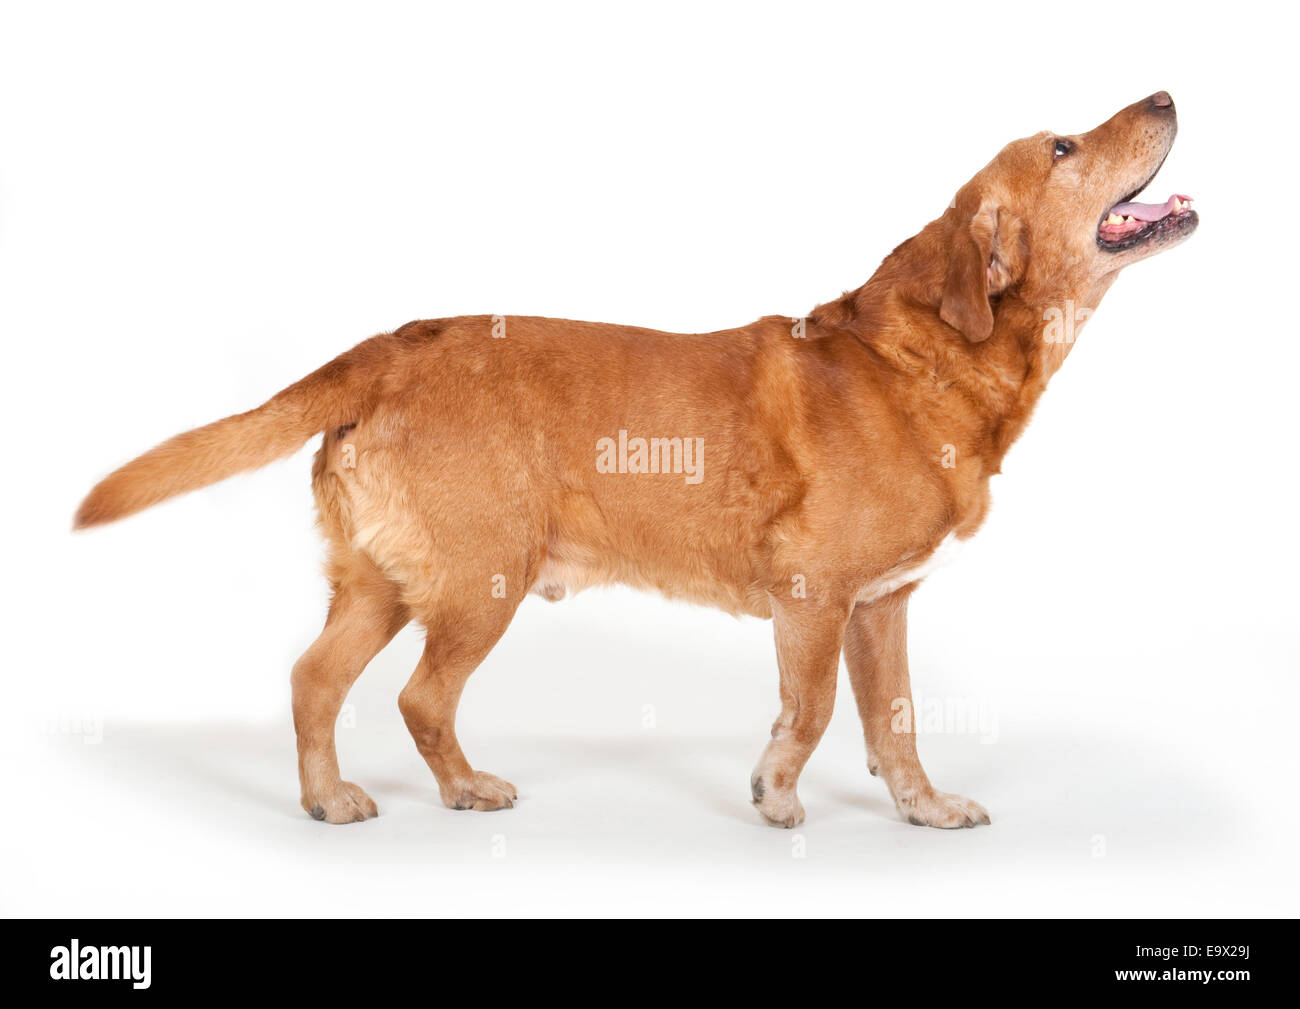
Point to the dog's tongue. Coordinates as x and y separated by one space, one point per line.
1149 211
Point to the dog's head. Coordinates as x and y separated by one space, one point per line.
1051 216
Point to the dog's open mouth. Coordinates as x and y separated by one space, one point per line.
1130 224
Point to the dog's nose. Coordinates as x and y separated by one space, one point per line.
1162 102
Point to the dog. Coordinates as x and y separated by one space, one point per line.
811 471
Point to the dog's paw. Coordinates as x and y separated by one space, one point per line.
942 809
780 809
484 792
346 804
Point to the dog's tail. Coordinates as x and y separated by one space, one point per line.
332 396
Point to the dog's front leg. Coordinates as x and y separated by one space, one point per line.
875 650
809 636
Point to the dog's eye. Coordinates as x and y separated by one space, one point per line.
1063 147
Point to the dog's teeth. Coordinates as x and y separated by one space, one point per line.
1114 219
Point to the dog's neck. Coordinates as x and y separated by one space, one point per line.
997 382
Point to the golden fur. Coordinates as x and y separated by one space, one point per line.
459 468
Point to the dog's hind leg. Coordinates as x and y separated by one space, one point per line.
365 614
875 650
808 639
463 623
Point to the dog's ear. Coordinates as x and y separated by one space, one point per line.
985 257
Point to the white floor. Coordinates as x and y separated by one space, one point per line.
631 750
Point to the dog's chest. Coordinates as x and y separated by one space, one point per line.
948 548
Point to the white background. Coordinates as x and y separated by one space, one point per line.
197 208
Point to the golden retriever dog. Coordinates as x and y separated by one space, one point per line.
807 470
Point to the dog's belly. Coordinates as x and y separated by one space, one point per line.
558 578
948 547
